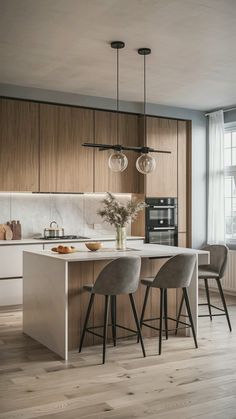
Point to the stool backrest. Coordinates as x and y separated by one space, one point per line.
121 276
176 272
218 257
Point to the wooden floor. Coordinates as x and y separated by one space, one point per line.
182 383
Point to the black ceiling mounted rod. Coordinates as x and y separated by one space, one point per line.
117 45
144 52
119 147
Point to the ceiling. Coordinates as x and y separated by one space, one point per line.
64 45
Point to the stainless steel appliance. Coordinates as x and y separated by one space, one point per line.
53 231
57 233
66 237
161 221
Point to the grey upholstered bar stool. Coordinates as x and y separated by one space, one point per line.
175 273
121 276
215 270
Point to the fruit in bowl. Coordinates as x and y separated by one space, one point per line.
63 249
93 246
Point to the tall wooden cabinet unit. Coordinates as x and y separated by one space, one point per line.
19 145
106 132
184 179
182 176
162 135
65 166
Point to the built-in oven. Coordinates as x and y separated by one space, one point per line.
161 221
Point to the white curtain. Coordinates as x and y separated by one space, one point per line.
216 196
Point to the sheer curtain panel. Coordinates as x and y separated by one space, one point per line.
216 207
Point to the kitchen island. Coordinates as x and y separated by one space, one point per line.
55 303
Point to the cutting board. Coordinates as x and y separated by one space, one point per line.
5 232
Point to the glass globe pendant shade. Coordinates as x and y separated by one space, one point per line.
118 161
145 163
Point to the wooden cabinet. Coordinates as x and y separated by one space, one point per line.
182 176
182 239
19 146
162 135
130 180
65 166
40 150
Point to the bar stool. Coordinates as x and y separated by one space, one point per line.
121 276
215 270
175 273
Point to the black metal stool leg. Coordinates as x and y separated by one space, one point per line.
86 321
179 314
137 322
113 318
190 315
224 303
208 297
143 309
166 313
161 316
105 327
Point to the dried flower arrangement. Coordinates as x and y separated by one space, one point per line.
118 214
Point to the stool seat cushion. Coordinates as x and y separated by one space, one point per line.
88 287
147 281
207 271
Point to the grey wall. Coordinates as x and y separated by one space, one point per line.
230 117
198 138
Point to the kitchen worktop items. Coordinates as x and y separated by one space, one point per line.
2 232
11 230
53 231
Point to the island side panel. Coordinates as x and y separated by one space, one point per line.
79 274
45 301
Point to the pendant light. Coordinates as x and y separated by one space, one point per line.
145 163
117 161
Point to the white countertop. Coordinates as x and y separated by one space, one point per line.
144 251
43 241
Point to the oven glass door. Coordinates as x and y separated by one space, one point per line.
162 217
165 237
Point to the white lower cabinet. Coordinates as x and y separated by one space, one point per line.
11 291
11 260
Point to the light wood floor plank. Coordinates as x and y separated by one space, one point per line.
182 383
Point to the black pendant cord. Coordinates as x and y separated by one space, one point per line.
144 52
117 45
144 101
117 96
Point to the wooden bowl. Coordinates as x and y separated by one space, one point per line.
93 246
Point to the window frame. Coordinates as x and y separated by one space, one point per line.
230 170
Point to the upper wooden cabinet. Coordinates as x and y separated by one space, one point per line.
65 166
162 135
19 145
130 180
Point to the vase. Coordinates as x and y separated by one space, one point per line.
120 238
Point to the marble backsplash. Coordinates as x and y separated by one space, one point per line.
76 213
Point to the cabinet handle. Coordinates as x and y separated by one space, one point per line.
163 228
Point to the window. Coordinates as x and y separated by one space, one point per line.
230 183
